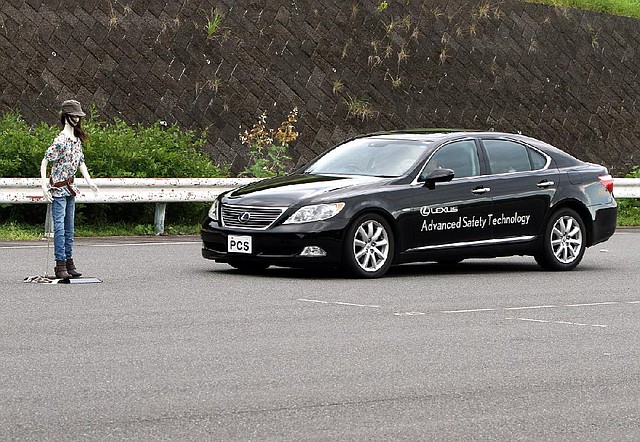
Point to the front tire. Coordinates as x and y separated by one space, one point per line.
564 241
369 247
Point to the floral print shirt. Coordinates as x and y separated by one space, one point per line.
66 156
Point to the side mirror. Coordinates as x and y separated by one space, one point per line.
438 176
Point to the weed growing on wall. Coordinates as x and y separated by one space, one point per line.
268 147
359 108
214 22
382 6
399 38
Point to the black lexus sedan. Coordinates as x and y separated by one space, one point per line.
396 197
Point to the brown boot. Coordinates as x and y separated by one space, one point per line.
71 269
61 270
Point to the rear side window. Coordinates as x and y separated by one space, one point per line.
459 156
538 161
506 157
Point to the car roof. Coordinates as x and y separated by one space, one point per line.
438 135
414 134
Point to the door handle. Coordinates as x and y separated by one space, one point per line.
544 184
481 190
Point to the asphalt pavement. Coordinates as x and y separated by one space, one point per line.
171 346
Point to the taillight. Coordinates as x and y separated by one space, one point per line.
607 182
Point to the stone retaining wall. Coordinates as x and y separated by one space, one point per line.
565 76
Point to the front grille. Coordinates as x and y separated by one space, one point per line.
246 217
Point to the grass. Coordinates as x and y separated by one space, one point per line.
12 231
628 212
626 8
20 232
213 24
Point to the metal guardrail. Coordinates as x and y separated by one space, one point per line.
166 190
626 187
127 190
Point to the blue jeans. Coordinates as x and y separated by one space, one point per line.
63 210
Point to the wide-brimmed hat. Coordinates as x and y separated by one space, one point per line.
72 107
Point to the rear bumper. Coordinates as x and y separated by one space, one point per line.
604 224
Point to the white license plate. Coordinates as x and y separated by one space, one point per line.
239 244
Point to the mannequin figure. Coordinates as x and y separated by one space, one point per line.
65 154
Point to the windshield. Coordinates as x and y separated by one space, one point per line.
371 157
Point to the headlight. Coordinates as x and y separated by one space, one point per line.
316 212
213 211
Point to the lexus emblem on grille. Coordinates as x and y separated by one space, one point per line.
245 217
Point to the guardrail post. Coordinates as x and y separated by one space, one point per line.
48 222
158 220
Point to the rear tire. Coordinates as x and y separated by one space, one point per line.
564 241
369 247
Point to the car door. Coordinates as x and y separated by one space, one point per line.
454 213
522 186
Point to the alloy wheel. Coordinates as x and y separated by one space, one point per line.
371 245
566 239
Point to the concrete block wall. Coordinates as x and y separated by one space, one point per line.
565 76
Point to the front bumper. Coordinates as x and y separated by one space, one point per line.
280 246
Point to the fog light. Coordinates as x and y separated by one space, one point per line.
313 251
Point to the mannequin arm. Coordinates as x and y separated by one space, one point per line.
43 180
85 174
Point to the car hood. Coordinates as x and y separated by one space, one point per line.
291 189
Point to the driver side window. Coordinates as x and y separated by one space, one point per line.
459 156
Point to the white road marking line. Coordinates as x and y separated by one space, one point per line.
591 304
530 320
528 307
409 313
477 310
531 307
317 301
470 310
580 324
313 300
356 305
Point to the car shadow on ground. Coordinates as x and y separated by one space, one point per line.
476 266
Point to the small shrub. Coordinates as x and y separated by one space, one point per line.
119 150
114 149
268 147
22 146
635 173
